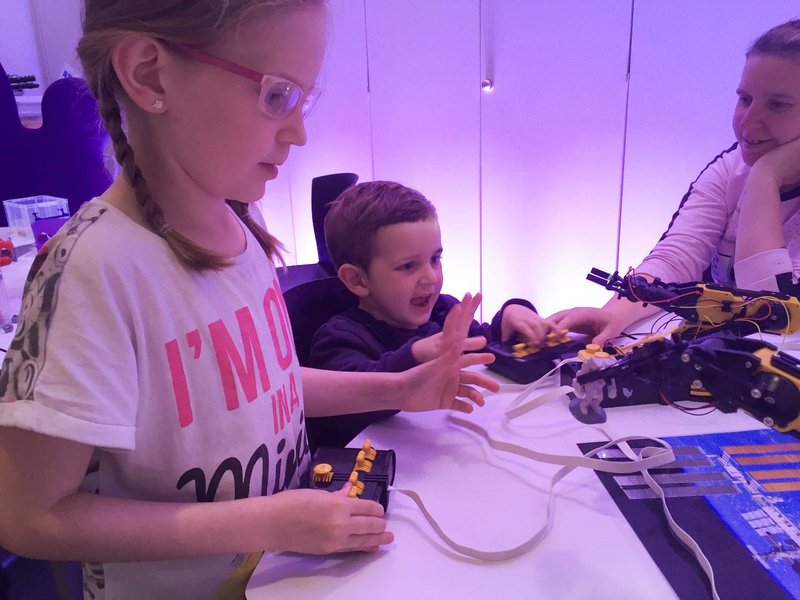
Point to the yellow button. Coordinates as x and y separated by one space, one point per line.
322 469
358 486
362 464
369 451
322 473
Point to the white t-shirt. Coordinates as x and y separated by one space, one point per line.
187 383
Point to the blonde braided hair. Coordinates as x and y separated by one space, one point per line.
199 23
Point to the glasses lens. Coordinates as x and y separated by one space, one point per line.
281 97
309 102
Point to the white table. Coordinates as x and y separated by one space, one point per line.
488 500
495 501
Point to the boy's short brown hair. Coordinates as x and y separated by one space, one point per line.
360 211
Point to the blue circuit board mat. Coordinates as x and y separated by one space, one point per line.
738 495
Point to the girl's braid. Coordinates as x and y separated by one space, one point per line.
189 253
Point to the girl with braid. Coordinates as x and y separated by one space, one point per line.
152 422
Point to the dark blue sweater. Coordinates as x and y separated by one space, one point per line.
355 341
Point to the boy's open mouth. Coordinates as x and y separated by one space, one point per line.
421 301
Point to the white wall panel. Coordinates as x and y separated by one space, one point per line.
552 141
687 61
338 135
59 29
526 179
19 54
424 99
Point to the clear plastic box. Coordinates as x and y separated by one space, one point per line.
6 318
21 212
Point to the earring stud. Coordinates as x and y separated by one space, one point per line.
158 104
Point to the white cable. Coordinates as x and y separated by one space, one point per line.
649 457
539 401
677 530
516 406
659 457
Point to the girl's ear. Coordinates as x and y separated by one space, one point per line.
138 62
355 279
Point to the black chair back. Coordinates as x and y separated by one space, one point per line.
324 190
310 305
64 157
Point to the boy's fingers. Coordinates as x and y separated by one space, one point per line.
476 358
461 406
471 394
453 321
551 324
474 343
531 332
469 304
475 303
479 379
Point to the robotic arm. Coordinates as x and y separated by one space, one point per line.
705 359
708 307
728 372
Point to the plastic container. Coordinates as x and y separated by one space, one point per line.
21 212
6 318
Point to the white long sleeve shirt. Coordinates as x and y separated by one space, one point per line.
701 238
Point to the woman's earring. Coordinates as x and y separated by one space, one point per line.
158 104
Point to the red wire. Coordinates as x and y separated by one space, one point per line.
630 289
769 312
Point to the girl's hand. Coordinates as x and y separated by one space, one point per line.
441 382
529 326
320 522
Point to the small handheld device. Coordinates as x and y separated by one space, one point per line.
523 362
369 471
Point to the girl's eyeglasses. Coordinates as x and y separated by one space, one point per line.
278 97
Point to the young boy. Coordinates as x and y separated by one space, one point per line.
385 243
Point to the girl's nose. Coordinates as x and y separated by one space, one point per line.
293 129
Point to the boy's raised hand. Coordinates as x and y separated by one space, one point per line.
431 347
442 382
